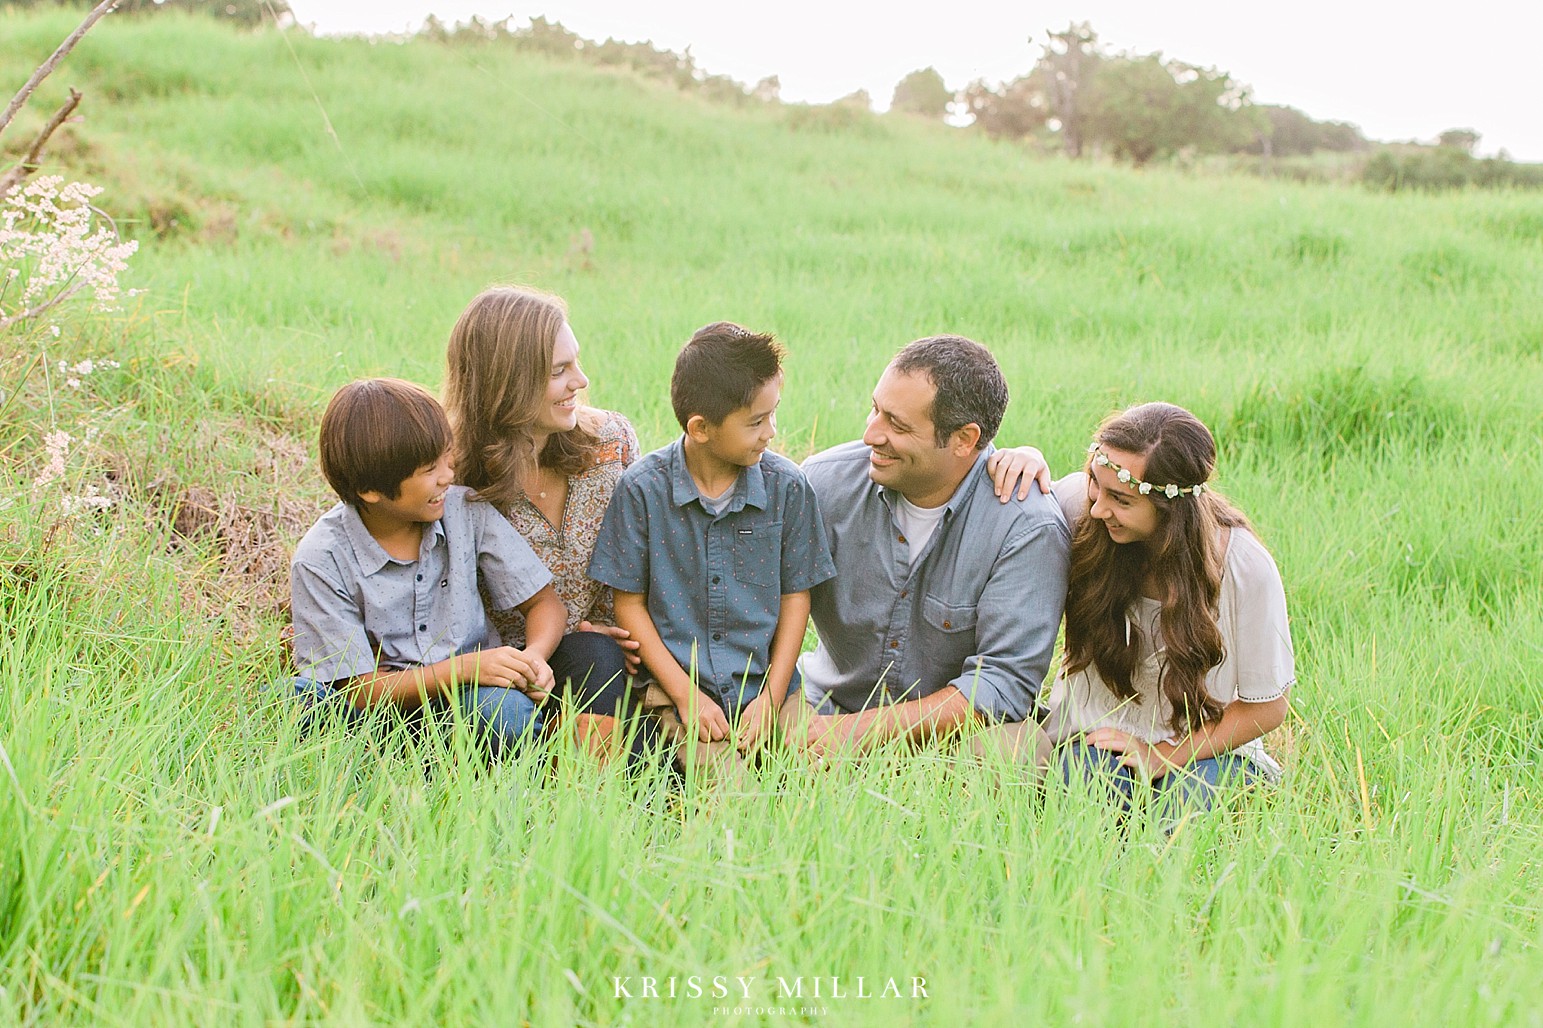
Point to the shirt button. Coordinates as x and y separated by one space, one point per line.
947 625
715 580
423 628
904 593
444 584
717 636
420 578
900 537
894 644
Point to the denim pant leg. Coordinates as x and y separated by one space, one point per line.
1078 762
319 702
1196 787
591 673
503 718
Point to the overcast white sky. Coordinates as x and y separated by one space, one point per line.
1404 70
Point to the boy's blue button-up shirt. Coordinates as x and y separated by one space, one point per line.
714 582
979 610
356 608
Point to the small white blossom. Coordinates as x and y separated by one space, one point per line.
72 382
53 330
1146 487
47 229
1170 490
1123 476
57 444
89 500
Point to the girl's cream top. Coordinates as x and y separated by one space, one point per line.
1258 664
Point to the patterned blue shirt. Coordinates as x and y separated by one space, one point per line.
356 608
979 610
714 583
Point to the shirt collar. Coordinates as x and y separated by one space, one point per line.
749 485
962 492
369 554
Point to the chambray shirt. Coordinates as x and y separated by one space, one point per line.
356 608
979 609
714 583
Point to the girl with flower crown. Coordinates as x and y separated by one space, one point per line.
1178 655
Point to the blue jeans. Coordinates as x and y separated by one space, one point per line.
502 717
1193 788
590 673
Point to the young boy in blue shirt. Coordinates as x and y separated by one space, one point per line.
712 544
384 588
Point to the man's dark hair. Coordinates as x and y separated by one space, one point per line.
720 369
376 433
971 389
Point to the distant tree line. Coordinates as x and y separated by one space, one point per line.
243 12
1080 99
551 39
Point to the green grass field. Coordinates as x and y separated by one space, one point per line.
173 851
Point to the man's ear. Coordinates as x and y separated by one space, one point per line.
370 496
964 440
696 428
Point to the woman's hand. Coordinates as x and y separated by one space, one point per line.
1018 466
629 646
1143 758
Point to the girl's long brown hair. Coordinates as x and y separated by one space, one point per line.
497 366
1183 557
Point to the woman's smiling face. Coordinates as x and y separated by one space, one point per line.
1128 516
560 405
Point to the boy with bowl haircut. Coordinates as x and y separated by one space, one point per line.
712 544
384 588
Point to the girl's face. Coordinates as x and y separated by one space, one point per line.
1128 516
560 404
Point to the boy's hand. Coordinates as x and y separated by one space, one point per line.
629 645
755 724
707 718
1020 466
508 668
541 681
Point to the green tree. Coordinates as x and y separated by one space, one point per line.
1011 111
923 92
1067 69
1464 139
1144 107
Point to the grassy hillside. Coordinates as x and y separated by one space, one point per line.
312 210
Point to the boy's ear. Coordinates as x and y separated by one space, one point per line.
370 496
696 428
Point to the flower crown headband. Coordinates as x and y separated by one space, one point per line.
1170 490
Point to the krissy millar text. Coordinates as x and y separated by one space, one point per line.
749 988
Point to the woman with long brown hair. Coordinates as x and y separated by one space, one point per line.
1178 654
526 443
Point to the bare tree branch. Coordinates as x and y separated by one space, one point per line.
32 312
48 66
12 177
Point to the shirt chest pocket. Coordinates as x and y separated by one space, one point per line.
758 553
951 618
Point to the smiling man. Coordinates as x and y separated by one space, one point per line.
946 602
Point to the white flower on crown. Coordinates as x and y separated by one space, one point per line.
1146 487
1170 490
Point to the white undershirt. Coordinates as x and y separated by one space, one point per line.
715 504
917 524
